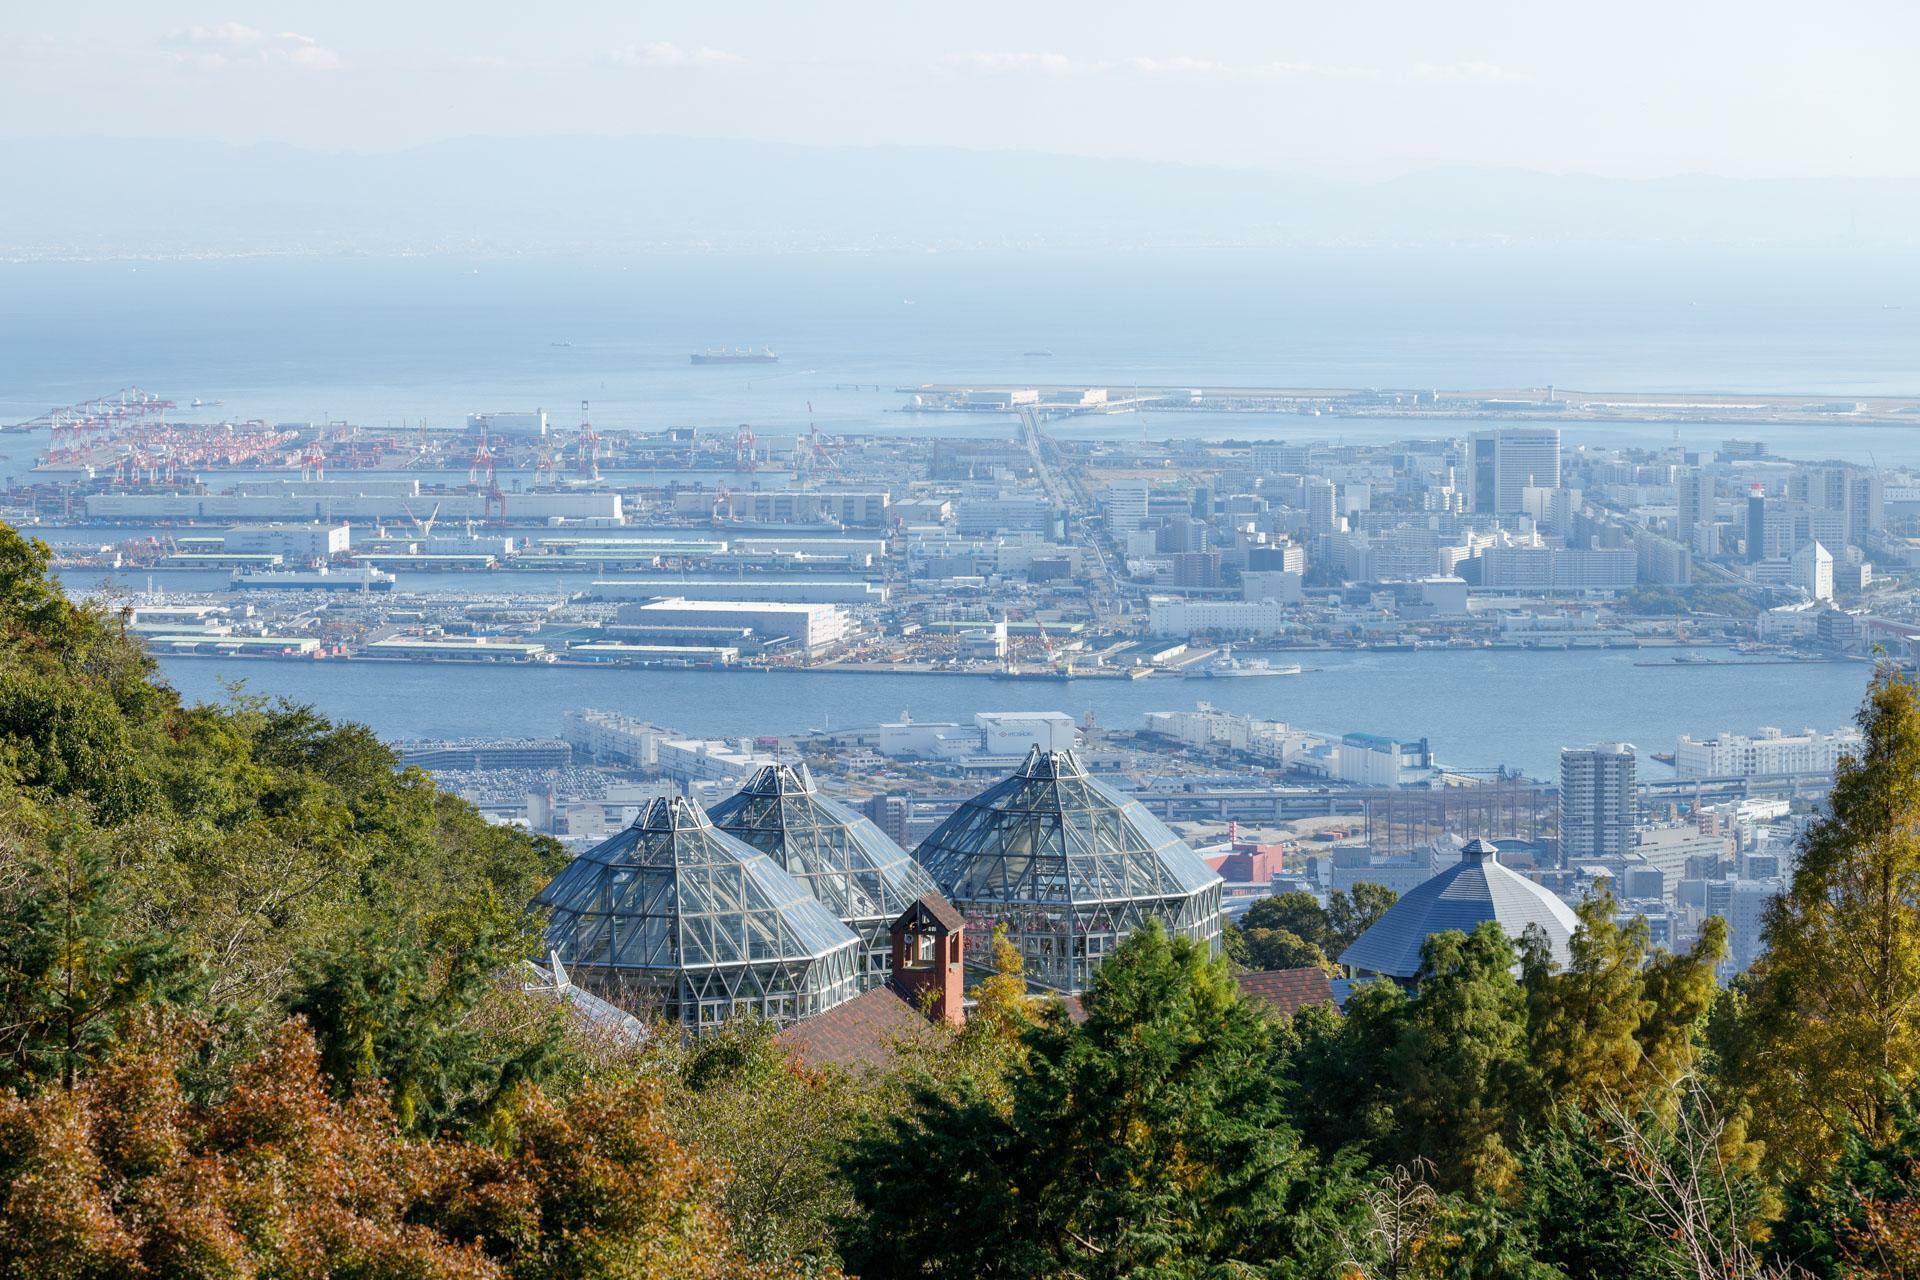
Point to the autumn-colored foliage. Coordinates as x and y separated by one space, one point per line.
129 1174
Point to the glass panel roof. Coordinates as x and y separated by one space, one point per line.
673 892
847 861
1051 835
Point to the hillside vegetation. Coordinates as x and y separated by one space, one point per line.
257 1019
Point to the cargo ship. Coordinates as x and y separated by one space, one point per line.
1228 667
356 578
1053 674
738 355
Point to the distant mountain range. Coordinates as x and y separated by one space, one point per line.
491 196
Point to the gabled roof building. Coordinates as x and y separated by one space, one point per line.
842 858
674 917
1473 890
1071 866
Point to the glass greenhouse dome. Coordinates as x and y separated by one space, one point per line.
848 863
1071 866
674 916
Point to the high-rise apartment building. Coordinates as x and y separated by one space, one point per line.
1322 511
1693 515
1126 506
1506 462
1598 805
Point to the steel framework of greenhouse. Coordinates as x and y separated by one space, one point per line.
1071 867
675 917
846 861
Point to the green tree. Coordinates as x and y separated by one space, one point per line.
1833 1027
1350 915
1481 1239
73 963
1293 931
778 1130
1295 911
1621 1021
1460 1069
426 1014
1265 949
1862 1214
1343 1091
1586 1219
1151 1140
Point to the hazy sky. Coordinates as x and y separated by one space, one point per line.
1623 87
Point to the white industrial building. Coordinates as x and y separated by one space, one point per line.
1372 760
1445 596
1003 512
368 505
1278 585
1209 726
519 422
1734 755
848 591
995 738
692 760
814 628
292 542
1812 571
612 737
1173 616
865 508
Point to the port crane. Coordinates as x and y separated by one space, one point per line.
481 463
424 527
586 449
743 456
814 452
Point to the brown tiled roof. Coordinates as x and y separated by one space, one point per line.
860 1033
944 913
1287 991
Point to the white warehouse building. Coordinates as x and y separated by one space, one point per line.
1173 616
815 628
1734 755
800 590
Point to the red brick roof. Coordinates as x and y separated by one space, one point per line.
1287 991
860 1033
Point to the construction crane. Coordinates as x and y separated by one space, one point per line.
586 450
813 452
425 527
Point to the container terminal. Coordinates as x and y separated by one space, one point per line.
1028 555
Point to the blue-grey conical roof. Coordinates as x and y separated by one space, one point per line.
1473 890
